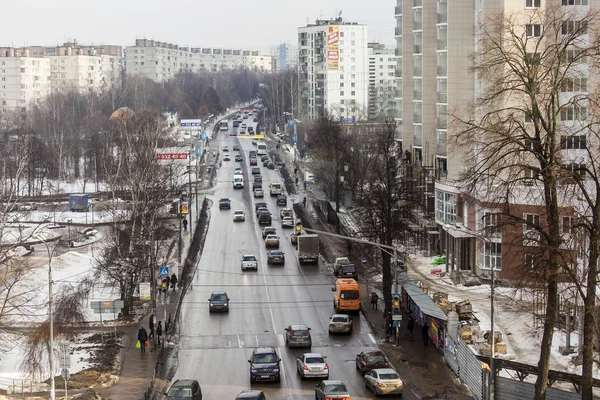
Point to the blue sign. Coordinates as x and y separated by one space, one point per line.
304 145
364 261
294 138
164 271
203 136
347 120
190 124
198 150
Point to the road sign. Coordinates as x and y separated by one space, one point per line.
65 374
198 150
364 261
114 307
172 156
304 145
164 271
145 291
203 136
294 138
190 122
397 317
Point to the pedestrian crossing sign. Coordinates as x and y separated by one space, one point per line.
164 271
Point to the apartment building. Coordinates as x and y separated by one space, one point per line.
28 74
332 68
436 41
382 81
285 56
161 61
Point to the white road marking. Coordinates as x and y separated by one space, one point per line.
372 338
240 342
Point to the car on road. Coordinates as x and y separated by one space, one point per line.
268 230
237 171
276 257
239 158
264 365
249 261
338 264
331 390
236 148
261 207
270 165
226 157
251 395
264 218
340 323
184 389
250 130
294 237
286 212
218 301
255 171
384 381
252 160
255 141
282 200
252 153
244 126
225 149
265 162
258 192
224 204
272 241
255 119
242 132
239 215
245 116
264 158
371 359
312 365
257 185
287 222
298 336
348 271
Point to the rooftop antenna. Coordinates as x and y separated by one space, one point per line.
340 14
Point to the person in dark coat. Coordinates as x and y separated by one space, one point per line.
304 201
425 333
142 337
374 300
173 281
151 327
159 332
184 224
411 328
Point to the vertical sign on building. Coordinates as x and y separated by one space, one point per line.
333 47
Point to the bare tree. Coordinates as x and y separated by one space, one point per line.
514 137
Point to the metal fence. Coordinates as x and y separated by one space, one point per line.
15 386
463 361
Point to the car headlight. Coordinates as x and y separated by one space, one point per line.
211 304
276 370
253 371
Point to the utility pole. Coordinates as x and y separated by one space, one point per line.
50 301
153 279
190 189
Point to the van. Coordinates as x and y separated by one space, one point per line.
238 182
346 296
275 189
261 148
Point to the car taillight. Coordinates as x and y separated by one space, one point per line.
346 324
332 324
305 368
270 256
308 333
291 334
326 368
379 384
387 364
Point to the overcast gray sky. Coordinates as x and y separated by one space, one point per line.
254 24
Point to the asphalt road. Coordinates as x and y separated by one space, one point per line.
215 347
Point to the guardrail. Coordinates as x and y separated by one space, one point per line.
16 385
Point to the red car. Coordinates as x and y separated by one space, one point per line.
253 161
371 359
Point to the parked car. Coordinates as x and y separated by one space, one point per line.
184 389
218 301
264 365
268 230
249 261
281 200
272 241
339 262
340 323
239 215
255 119
264 158
276 257
371 359
312 365
384 381
298 336
331 390
224 204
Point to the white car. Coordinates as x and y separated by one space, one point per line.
244 126
272 241
384 381
312 365
226 157
340 323
249 261
255 141
259 192
239 215
225 148
287 222
237 171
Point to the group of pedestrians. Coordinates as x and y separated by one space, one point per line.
143 336
172 280
390 325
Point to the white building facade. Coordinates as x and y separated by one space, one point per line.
161 61
382 81
333 69
23 80
285 57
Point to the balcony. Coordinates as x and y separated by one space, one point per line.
442 18
397 10
398 73
397 31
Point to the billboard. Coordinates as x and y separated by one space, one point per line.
333 47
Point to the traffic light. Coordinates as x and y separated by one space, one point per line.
395 304
298 226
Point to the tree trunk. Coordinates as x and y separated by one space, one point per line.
387 281
541 383
589 317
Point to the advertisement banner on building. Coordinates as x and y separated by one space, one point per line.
333 48
145 291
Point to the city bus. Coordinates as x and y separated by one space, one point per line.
224 124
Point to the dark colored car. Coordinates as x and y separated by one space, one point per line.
252 160
250 130
224 203
218 301
184 389
259 204
264 218
331 390
348 271
256 185
239 158
268 230
255 171
265 162
252 153
251 395
371 359
276 257
255 119
281 200
264 365
236 148
271 165
264 158
298 336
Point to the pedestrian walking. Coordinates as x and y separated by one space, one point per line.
425 333
151 327
304 201
296 181
159 332
374 300
142 338
411 328
305 183
174 281
296 173
184 224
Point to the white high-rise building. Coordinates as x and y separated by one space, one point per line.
332 67
382 81
161 61
285 56
23 80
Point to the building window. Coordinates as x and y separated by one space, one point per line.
490 255
532 262
533 30
353 93
570 27
574 85
573 142
533 3
573 113
445 208
530 175
531 223
341 93
567 224
574 2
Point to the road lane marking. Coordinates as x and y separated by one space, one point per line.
240 342
372 338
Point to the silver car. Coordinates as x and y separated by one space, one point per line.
340 323
239 215
249 262
384 381
331 390
312 365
